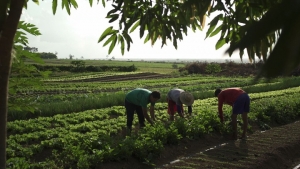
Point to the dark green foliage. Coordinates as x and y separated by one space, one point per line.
213 68
227 68
48 55
80 68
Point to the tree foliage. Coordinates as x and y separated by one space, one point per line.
20 72
79 65
48 55
283 18
254 26
23 75
31 49
170 19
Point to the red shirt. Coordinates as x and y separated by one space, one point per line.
228 96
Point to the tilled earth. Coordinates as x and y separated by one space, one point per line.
278 148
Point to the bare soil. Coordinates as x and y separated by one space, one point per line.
145 75
272 149
115 78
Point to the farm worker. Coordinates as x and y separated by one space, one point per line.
240 102
137 100
176 98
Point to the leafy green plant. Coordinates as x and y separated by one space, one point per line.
78 65
173 137
17 163
212 68
146 149
158 132
124 149
181 126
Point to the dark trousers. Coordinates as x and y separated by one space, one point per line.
130 108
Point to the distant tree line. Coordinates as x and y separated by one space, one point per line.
79 66
43 55
48 55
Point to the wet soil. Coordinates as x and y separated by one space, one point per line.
278 147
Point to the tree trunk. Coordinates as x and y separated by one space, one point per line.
6 44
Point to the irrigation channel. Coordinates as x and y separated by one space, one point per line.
275 148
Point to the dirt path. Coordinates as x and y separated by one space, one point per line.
275 148
278 148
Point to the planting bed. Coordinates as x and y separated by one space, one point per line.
277 148
133 76
94 136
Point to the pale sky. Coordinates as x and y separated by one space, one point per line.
78 34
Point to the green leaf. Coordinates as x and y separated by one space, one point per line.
147 38
20 36
114 17
109 40
154 38
91 2
134 26
179 34
213 24
105 33
142 26
103 3
121 40
216 31
128 40
54 6
125 8
174 41
113 43
74 3
29 28
65 3
36 1
33 56
111 12
220 43
241 54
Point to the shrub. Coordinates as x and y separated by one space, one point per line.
213 68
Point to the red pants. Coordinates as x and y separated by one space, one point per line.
172 107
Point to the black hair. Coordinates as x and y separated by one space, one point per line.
217 92
155 94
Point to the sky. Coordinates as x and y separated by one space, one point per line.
77 34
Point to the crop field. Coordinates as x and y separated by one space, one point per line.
79 120
144 66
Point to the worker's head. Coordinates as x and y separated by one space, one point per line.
186 98
154 96
217 92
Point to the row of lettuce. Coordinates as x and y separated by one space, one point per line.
90 138
202 88
94 86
